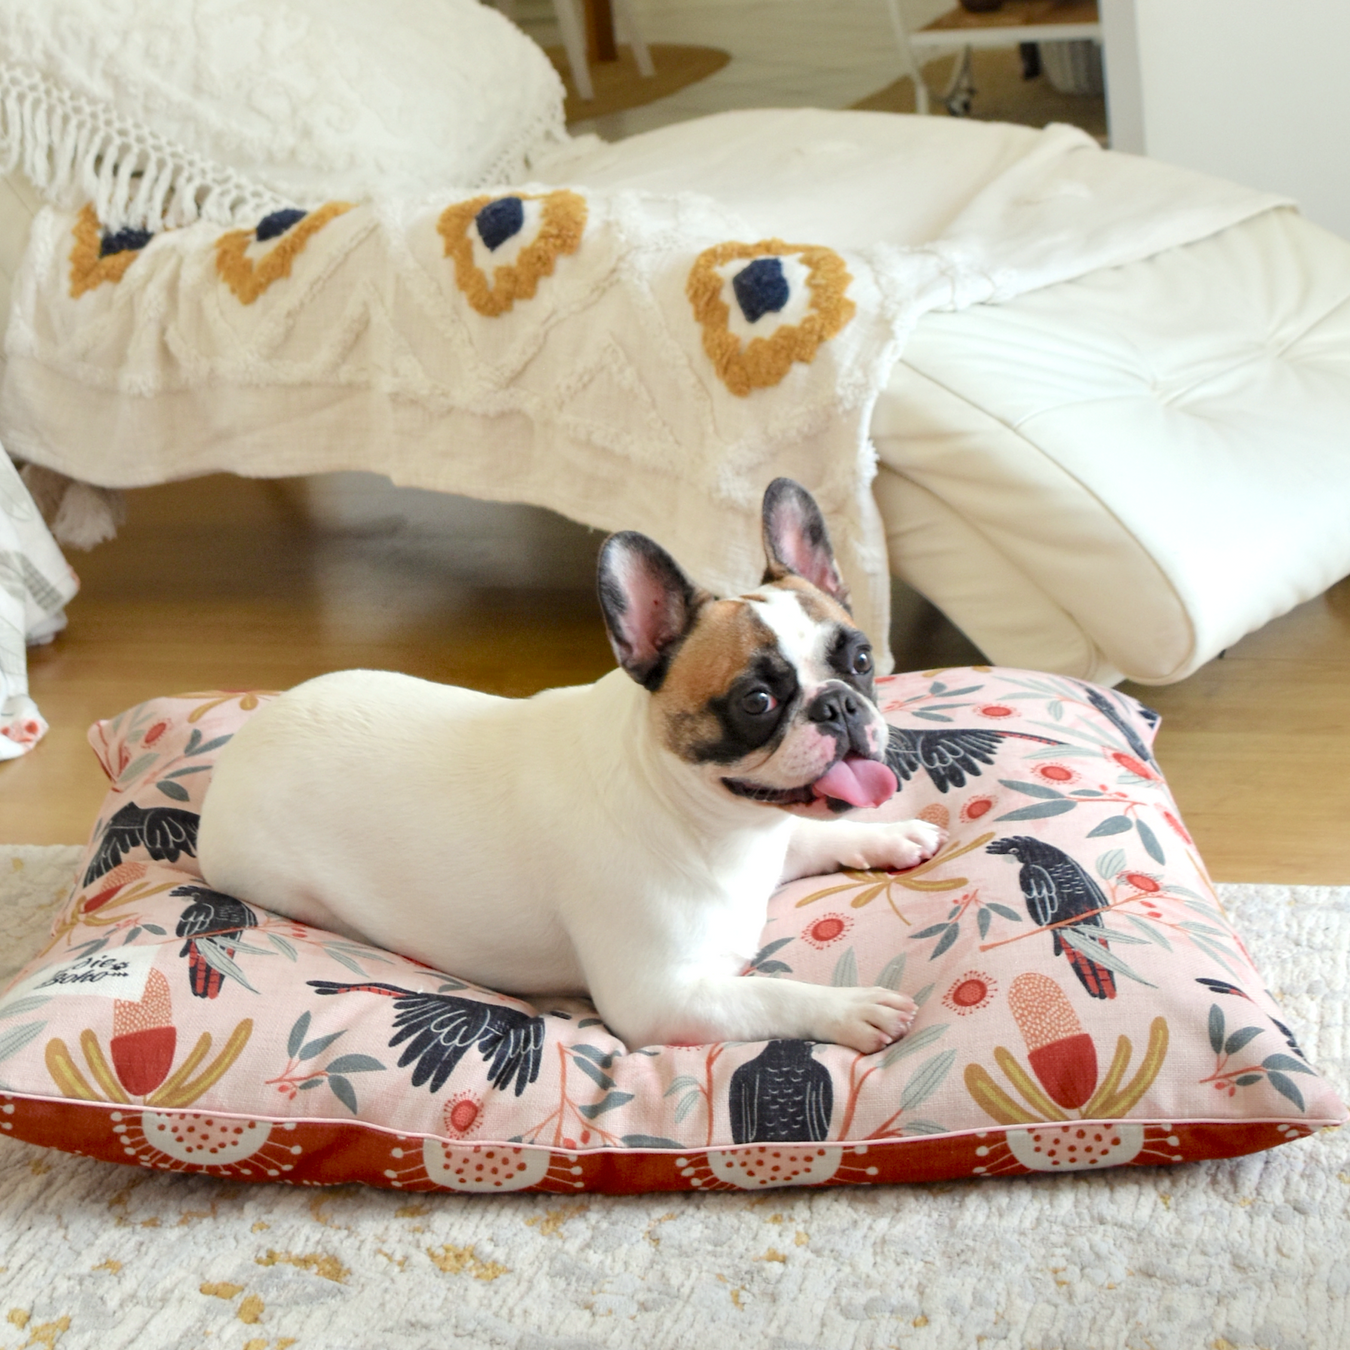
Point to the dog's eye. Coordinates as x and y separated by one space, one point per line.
862 661
758 702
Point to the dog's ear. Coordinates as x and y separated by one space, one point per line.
796 541
649 604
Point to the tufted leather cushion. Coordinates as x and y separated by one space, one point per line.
1142 464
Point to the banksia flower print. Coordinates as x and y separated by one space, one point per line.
1064 1060
144 1040
1060 1052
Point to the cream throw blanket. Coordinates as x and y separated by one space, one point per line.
632 360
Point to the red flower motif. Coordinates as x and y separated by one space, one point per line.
996 710
155 733
463 1114
1141 881
827 929
1131 764
977 807
1057 775
973 991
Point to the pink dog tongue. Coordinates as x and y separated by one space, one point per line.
857 781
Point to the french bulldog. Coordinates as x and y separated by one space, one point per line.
619 839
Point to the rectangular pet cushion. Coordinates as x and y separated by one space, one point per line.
1084 1002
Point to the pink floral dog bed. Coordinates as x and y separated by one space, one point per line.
1084 1002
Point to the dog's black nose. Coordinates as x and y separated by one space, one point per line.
836 708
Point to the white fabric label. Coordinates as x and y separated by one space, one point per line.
114 974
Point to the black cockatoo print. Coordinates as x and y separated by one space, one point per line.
1108 710
948 756
440 1028
212 921
782 1095
1223 987
163 831
1057 889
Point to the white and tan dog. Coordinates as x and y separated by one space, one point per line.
619 839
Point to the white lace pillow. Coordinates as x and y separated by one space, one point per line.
166 110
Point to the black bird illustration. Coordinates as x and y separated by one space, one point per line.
1109 711
782 1095
212 918
948 756
1223 987
163 831
443 1027
1056 889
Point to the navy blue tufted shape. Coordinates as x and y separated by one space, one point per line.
499 220
124 241
761 288
277 223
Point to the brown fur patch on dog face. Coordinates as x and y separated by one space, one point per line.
723 644
783 640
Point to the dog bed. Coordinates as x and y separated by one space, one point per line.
1084 1002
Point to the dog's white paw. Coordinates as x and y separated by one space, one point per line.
903 844
868 1019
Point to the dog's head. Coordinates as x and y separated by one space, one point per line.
769 695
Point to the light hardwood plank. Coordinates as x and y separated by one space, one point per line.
1255 746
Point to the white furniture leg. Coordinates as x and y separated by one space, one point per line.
574 41
626 30
960 92
907 57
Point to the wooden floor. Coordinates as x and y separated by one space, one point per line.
223 583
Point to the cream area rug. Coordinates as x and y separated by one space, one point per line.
1210 1256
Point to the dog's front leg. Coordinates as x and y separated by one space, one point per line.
699 1009
819 846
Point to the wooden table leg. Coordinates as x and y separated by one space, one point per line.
600 45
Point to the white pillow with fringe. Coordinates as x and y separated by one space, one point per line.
167 111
